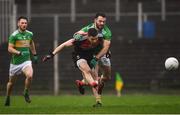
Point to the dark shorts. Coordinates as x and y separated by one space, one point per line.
87 56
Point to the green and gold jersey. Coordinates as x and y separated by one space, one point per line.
105 33
21 41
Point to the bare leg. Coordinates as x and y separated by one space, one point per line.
28 72
10 84
87 74
106 72
95 90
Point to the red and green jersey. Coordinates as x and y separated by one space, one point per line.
21 41
104 33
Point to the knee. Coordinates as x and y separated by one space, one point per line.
28 73
106 78
9 83
29 76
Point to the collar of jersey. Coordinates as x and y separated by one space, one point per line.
21 32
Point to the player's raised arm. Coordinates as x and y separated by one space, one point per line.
68 43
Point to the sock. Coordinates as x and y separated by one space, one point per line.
84 82
8 96
98 99
25 91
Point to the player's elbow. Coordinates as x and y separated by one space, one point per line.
9 49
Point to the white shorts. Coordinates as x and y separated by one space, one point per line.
80 61
105 61
17 69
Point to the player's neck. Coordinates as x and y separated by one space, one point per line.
21 31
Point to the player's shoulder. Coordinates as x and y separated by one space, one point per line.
91 25
106 28
29 32
107 32
15 33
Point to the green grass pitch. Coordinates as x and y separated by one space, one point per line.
71 104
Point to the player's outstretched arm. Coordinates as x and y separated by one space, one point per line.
68 43
48 56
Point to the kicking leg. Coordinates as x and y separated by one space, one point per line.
86 71
80 85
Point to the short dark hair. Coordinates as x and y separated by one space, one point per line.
92 32
100 14
22 17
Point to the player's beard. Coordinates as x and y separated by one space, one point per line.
99 27
23 28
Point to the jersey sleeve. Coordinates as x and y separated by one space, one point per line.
79 37
108 34
32 37
12 39
86 28
30 34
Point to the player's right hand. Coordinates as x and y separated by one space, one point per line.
48 56
93 62
23 53
35 59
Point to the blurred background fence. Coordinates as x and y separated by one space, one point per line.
145 33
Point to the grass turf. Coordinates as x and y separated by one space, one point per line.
71 104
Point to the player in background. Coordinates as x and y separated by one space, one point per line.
22 48
85 47
103 67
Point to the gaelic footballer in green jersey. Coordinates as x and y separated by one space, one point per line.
104 32
21 45
21 42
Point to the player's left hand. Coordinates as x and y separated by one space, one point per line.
35 59
47 57
93 62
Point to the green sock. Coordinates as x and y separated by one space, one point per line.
7 97
25 91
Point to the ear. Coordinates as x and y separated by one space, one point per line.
18 24
95 20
